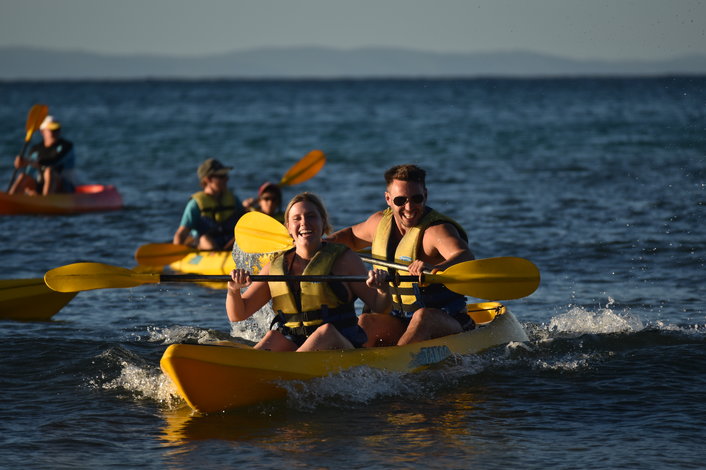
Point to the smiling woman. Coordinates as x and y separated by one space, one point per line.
311 316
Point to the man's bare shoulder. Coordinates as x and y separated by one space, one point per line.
442 230
367 228
444 242
375 217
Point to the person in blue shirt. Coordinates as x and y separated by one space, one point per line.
211 214
48 167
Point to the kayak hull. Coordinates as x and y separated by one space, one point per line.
30 300
224 375
86 198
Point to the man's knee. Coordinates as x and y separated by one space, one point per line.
325 330
425 314
434 321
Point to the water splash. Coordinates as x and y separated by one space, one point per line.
145 383
358 385
131 376
363 385
255 327
605 320
253 262
181 334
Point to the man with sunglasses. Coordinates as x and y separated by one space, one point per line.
410 232
211 214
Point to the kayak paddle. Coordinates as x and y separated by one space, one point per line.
491 278
34 119
304 169
501 278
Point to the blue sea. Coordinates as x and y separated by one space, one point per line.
600 182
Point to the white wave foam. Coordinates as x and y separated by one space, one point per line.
695 329
145 382
353 386
180 334
566 364
362 385
255 327
606 320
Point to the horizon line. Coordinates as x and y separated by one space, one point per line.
506 51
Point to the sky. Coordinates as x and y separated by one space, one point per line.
579 29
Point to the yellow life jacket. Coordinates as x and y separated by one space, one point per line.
212 208
317 302
408 296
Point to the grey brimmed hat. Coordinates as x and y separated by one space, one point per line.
212 167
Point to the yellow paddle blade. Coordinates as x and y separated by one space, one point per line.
304 169
485 312
502 278
256 232
161 254
34 119
88 276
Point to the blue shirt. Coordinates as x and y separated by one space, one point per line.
191 218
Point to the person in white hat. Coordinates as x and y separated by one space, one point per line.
48 165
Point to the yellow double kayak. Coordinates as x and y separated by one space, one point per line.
223 375
30 300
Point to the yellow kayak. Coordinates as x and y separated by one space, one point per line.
30 300
225 374
214 263
205 262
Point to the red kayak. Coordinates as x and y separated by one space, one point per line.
86 198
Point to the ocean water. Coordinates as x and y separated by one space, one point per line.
600 182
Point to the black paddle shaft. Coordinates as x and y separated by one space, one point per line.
276 278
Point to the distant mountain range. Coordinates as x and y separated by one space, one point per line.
18 63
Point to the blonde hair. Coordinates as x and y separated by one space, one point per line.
314 199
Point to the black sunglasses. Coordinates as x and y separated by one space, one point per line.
402 200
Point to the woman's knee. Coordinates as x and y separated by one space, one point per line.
274 340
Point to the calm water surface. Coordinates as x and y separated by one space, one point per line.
601 183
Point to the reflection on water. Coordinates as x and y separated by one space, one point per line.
400 431
183 424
